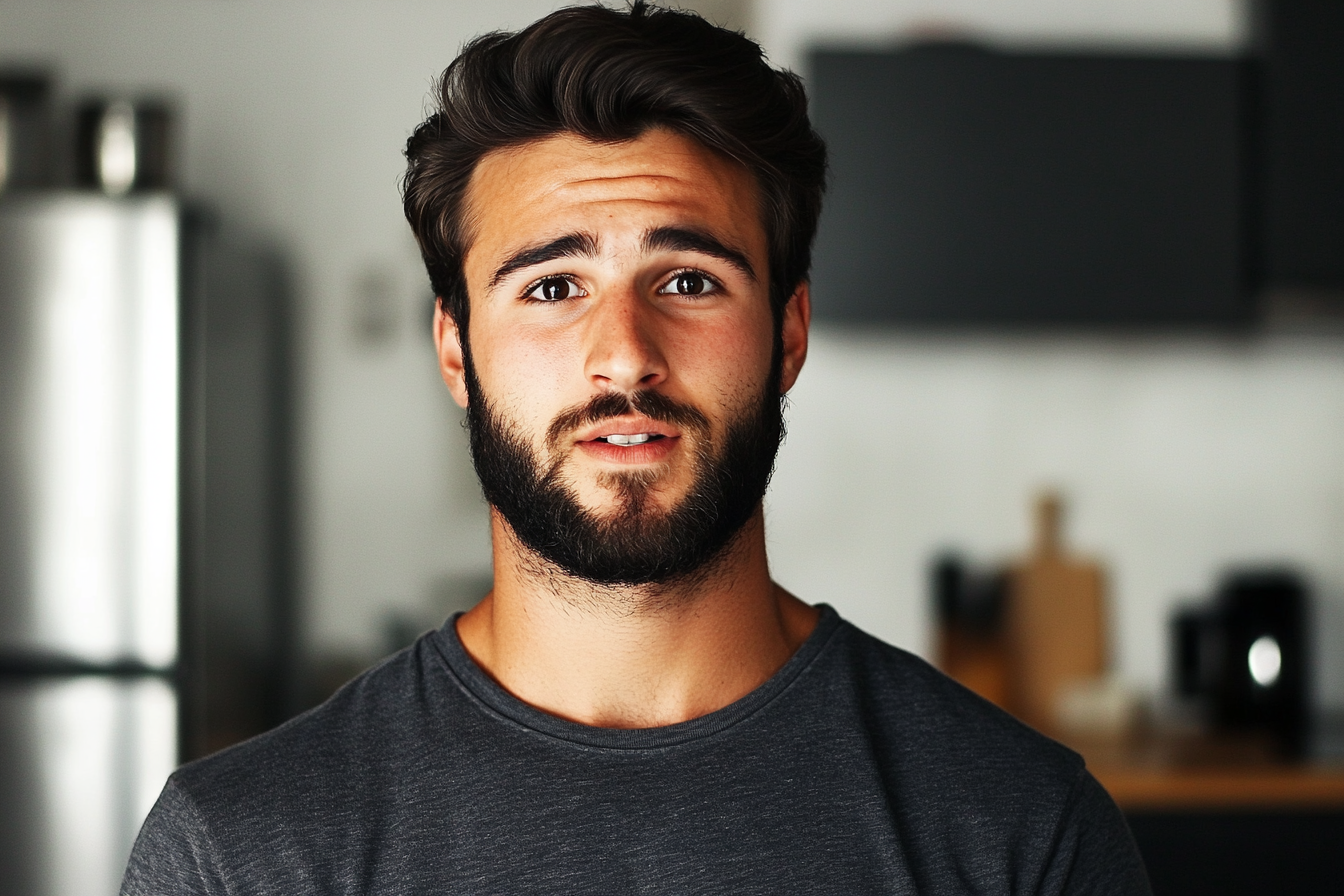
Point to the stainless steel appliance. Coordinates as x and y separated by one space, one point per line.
90 363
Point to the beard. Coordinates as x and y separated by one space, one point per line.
637 543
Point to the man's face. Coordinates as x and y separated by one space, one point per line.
622 342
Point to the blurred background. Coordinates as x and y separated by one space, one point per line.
1079 344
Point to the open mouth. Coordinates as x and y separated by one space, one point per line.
628 440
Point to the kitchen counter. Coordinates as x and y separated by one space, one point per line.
1185 770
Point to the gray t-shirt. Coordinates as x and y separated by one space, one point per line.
856 768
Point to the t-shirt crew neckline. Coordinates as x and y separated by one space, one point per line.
478 684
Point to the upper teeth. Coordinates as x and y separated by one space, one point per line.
638 439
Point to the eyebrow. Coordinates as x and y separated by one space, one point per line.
571 245
584 245
685 239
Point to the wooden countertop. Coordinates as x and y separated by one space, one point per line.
1192 771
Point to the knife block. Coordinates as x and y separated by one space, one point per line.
969 608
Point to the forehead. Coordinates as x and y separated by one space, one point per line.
565 182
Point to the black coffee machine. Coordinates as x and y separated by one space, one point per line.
1244 656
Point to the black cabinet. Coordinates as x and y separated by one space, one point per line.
972 186
1301 44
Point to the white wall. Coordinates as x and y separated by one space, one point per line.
1179 455
1178 458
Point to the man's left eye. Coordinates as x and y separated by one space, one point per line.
689 283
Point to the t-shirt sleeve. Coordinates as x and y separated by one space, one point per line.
1094 852
173 854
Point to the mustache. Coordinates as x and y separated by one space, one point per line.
654 405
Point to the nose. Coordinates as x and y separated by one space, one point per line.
623 349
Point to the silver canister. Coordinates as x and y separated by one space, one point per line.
124 146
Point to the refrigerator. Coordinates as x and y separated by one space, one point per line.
91 531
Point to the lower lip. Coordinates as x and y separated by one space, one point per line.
649 452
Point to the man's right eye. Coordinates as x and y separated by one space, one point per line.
553 289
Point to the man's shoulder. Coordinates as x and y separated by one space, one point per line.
268 808
974 789
922 717
378 719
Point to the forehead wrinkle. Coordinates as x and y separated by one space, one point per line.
618 189
581 182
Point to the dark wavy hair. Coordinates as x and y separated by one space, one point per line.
609 75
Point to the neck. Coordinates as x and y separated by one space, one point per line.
634 657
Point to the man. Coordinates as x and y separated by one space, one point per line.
616 211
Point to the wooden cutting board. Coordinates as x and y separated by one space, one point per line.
1056 621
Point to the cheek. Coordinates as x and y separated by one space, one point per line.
528 379
736 348
721 368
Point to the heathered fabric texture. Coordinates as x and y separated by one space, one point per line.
856 769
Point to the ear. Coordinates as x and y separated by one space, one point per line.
797 320
448 344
